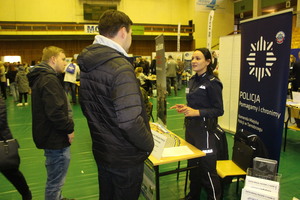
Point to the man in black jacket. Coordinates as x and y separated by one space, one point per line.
111 100
52 123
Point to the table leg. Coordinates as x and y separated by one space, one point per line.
178 167
237 185
157 189
186 181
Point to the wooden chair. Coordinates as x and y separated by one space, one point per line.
228 168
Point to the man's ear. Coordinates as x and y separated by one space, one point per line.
53 60
123 32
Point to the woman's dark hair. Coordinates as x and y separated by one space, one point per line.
207 55
112 21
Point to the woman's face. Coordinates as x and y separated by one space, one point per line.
199 63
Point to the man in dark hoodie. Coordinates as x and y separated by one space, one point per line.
52 124
111 100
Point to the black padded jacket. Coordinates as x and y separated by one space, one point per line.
51 123
111 101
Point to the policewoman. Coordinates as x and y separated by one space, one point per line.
204 106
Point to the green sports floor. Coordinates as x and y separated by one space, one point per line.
81 182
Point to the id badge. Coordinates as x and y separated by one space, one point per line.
187 90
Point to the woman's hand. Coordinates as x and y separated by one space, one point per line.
190 112
187 111
178 107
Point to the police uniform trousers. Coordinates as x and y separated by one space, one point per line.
205 175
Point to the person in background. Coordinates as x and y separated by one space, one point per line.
52 123
179 73
171 68
15 176
136 62
296 75
23 85
215 63
144 81
26 67
111 100
146 66
204 106
291 74
13 86
71 73
153 66
3 80
148 104
292 61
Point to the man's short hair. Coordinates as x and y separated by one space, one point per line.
111 21
50 51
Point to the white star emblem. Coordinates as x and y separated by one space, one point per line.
266 56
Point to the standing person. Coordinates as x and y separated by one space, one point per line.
296 74
146 67
15 176
71 72
153 66
52 125
11 75
111 100
179 72
204 106
23 85
215 62
3 80
171 68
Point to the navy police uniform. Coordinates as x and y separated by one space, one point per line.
204 94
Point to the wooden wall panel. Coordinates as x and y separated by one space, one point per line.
32 50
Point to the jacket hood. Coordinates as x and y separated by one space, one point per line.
36 71
95 56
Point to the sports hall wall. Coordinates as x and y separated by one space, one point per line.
145 12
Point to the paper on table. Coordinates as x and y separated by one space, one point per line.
177 151
291 103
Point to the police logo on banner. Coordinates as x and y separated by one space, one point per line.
280 36
261 48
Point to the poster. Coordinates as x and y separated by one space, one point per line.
161 80
264 77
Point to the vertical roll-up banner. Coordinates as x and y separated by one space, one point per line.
178 37
209 28
265 53
161 80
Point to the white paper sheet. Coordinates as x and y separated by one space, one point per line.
177 151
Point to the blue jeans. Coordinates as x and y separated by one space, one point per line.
120 183
72 86
57 164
